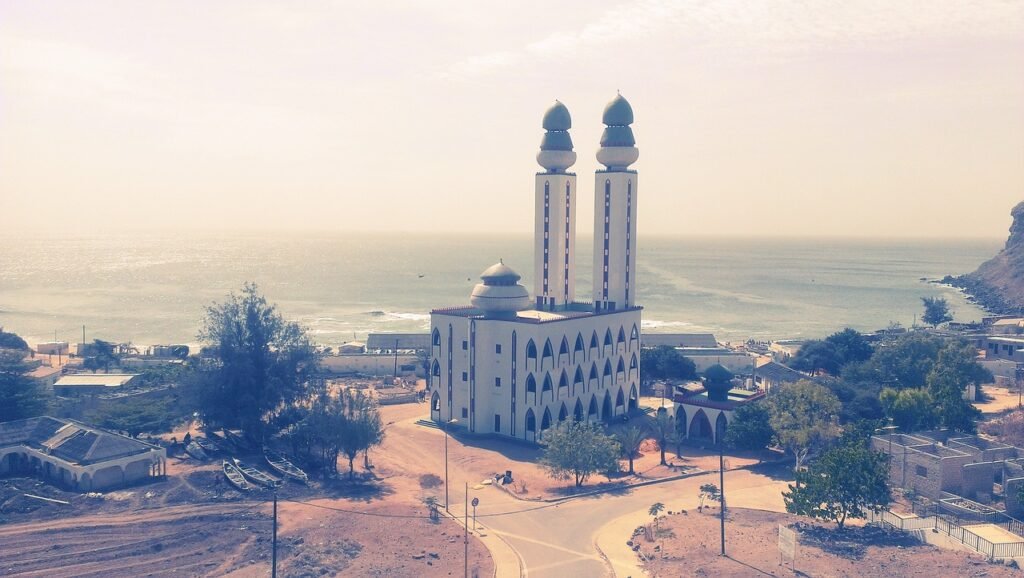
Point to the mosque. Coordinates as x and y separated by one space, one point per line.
514 366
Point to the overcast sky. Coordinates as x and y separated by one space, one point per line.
774 117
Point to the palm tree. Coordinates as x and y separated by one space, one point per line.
664 427
655 509
630 440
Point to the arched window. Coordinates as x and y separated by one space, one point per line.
622 336
531 421
546 422
435 338
578 378
531 353
563 349
721 424
634 335
593 371
531 384
435 402
579 350
547 383
620 400
632 364
606 405
563 413
563 381
594 343
435 369
620 370
607 368
577 412
592 410
548 353
608 337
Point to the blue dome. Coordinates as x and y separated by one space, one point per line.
556 141
618 112
557 118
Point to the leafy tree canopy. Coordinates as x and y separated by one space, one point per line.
630 440
845 482
665 362
262 364
20 395
804 416
909 409
12 341
575 450
936 311
955 369
750 427
850 346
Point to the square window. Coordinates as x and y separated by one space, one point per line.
921 471
465 345
497 348
497 382
497 423
465 413
465 376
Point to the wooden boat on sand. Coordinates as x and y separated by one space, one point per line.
285 468
193 449
235 477
255 476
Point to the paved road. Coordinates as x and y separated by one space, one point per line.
559 541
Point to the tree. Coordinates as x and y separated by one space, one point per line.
575 450
101 356
665 362
803 416
655 510
955 369
431 503
630 440
20 395
936 311
135 416
664 427
904 363
361 429
816 356
12 341
262 364
850 346
845 482
750 428
708 492
909 409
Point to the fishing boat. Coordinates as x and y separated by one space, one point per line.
235 477
207 446
255 476
193 449
285 468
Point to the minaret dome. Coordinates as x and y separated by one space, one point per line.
618 147
556 154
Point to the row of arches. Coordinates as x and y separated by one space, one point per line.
604 377
578 352
698 427
591 411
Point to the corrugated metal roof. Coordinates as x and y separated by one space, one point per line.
69 440
94 380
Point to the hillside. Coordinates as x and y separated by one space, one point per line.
998 284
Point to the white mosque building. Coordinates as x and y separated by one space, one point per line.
513 366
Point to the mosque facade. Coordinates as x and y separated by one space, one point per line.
511 365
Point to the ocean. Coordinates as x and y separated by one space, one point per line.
152 289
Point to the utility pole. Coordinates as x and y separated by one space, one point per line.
396 360
465 535
273 548
721 484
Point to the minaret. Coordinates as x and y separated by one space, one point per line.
615 211
554 253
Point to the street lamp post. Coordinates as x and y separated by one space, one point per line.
450 421
721 483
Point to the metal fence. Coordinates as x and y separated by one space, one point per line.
952 528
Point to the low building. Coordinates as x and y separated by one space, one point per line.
401 342
76 456
45 375
1004 347
703 416
53 348
92 383
786 349
770 375
738 362
351 348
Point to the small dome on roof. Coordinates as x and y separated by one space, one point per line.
618 112
557 118
617 136
499 272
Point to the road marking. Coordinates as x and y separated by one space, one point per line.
546 544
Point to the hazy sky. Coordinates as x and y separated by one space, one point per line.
874 117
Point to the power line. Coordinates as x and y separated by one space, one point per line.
409 516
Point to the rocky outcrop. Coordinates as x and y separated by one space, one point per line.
998 285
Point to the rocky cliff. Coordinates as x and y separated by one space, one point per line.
998 285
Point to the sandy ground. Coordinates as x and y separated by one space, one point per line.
1000 400
689 546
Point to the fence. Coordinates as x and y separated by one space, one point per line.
953 529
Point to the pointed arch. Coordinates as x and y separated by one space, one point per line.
634 365
700 426
435 403
622 336
594 344
608 337
577 412
435 338
547 383
579 350
634 335
547 353
620 369
563 380
531 421
633 401
592 409
620 400
681 420
563 349
577 380
593 373
607 376
721 424
531 353
531 384
435 369
545 422
563 413
606 406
